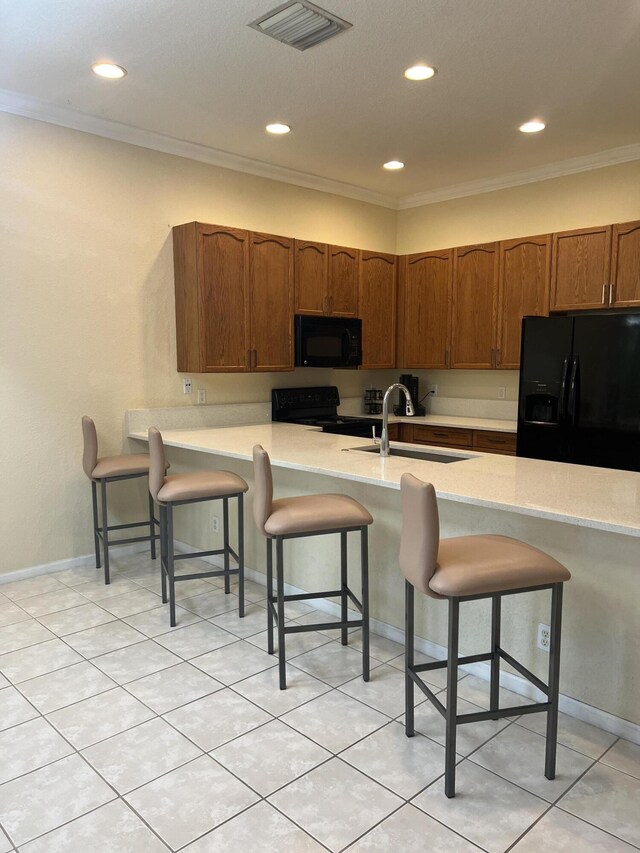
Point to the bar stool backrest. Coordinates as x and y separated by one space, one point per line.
90 452
420 538
157 463
263 487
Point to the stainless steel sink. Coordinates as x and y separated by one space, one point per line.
415 453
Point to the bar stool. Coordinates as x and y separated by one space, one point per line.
309 515
467 568
179 489
110 469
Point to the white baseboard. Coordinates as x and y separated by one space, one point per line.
572 707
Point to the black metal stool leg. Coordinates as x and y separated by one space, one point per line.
163 551
280 581
409 725
152 528
170 566
343 588
494 701
241 555
225 528
554 681
269 596
452 700
364 568
96 537
105 530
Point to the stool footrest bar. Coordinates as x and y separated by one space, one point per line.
441 664
481 716
428 693
198 554
321 626
130 539
544 688
197 575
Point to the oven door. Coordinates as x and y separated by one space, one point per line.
328 342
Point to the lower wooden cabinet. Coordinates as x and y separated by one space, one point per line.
485 441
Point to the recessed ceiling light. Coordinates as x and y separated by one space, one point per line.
533 126
109 69
420 72
393 165
278 128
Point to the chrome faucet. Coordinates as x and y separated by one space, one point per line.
384 438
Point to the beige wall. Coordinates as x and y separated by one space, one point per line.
600 197
87 321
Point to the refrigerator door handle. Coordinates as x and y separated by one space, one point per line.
562 404
573 390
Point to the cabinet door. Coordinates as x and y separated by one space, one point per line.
475 288
311 277
427 309
625 265
223 316
377 301
524 281
580 268
271 300
342 289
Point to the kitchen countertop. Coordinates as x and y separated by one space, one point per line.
598 498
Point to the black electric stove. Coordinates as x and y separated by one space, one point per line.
318 407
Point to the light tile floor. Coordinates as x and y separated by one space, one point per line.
121 734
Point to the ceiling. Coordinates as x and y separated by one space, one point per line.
198 73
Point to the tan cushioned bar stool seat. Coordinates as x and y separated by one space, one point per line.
201 484
118 466
313 513
474 565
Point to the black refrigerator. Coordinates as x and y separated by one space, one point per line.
580 390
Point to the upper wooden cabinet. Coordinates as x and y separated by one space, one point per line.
425 310
523 289
625 266
271 302
342 287
234 299
377 306
475 302
580 268
326 279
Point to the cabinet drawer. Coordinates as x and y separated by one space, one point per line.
442 435
496 442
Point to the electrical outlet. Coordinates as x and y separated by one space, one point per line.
502 392
215 524
202 395
186 385
544 637
433 390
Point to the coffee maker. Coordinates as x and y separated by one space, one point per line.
411 383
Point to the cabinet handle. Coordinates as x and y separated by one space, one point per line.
496 440
441 434
612 291
604 290
497 357
330 304
446 358
255 358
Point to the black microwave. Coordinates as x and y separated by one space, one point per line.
328 341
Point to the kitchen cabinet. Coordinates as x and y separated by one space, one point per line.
311 271
625 266
377 308
459 438
234 299
326 279
425 309
580 272
271 302
475 302
523 290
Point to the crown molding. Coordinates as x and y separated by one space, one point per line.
30 107
529 176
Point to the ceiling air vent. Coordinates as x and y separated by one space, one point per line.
299 24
